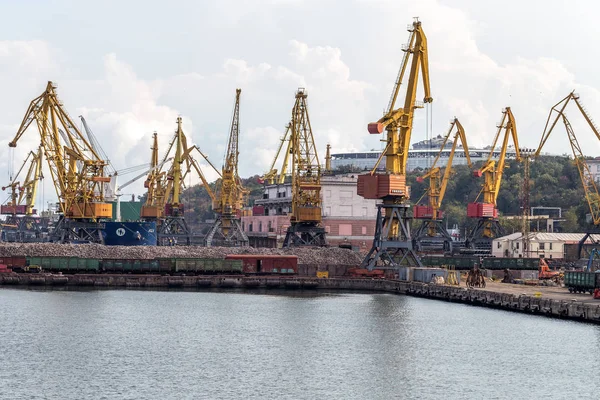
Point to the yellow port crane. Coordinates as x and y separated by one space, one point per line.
227 204
168 189
21 224
592 196
305 219
392 243
76 168
23 194
432 231
274 176
155 186
488 226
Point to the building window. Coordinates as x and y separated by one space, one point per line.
260 226
598 168
243 226
327 229
517 245
550 244
250 227
542 246
364 230
270 226
345 229
499 244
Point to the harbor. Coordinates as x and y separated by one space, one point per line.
539 300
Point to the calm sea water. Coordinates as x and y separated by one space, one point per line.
116 344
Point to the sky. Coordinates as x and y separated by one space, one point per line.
132 67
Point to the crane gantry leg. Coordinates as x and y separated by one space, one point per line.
391 250
226 232
432 234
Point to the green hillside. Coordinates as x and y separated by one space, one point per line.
555 182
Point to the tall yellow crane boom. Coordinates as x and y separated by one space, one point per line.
398 122
432 228
227 229
272 176
592 196
305 218
23 194
75 167
488 226
232 193
155 186
493 171
437 183
392 244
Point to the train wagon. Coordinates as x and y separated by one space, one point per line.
16 263
201 266
131 266
65 264
266 264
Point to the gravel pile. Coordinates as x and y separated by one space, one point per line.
313 255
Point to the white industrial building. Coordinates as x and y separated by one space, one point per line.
541 244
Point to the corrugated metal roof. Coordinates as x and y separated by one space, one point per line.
549 237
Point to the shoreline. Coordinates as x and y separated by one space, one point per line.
545 301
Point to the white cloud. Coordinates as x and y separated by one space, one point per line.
347 67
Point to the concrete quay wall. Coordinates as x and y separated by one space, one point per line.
546 305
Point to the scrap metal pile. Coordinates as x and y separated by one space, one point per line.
309 255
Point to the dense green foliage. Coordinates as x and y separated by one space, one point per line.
554 182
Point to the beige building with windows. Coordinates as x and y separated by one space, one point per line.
347 217
562 246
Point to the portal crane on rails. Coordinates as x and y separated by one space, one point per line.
305 220
21 224
488 227
227 228
173 223
155 185
592 196
77 170
392 243
431 230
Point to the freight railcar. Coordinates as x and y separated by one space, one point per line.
493 263
15 263
266 264
232 264
69 265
